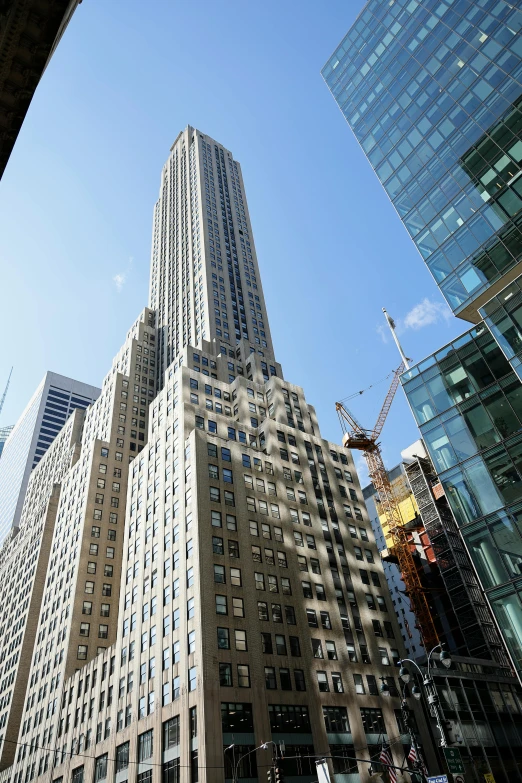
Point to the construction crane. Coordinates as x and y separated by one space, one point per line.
5 391
355 437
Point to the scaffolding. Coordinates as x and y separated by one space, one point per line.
475 621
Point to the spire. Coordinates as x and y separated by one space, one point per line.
5 391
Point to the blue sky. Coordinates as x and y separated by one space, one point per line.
77 196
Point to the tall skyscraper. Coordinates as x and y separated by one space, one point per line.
249 612
433 93
204 282
44 416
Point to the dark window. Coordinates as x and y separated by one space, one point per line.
289 718
336 720
122 757
236 717
171 771
171 733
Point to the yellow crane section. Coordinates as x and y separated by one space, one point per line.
355 437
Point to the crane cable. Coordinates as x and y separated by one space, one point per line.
371 386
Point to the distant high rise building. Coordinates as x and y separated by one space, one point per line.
433 93
248 612
44 416
4 434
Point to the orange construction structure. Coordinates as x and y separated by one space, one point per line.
355 437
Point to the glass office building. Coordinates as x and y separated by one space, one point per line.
433 93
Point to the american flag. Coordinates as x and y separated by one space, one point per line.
413 756
386 758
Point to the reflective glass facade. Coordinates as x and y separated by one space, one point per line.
503 315
467 402
433 93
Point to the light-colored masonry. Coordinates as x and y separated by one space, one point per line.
212 581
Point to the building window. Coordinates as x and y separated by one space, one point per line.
145 745
171 733
336 720
100 768
122 756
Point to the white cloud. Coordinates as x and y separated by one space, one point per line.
120 278
426 313
383 331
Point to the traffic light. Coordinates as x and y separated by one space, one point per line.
270 775
279 774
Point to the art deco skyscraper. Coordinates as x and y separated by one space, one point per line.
253 606
204 282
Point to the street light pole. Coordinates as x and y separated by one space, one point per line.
406 716
431 690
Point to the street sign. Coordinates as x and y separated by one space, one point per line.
458 779
454 761
438 779
489 777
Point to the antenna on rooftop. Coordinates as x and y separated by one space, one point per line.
5 391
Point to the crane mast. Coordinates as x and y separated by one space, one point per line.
355 437
5 391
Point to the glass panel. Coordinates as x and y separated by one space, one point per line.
496 360
504 474
508 611
458 383
460 498
508 541
500 411
471 492
460 437
440 449
480 425
486 559
478 370
506 334
421 404
513 392
439 393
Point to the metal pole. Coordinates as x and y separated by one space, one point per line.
391 324
434 702
433 697
406 714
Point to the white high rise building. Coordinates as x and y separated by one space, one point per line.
44 416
